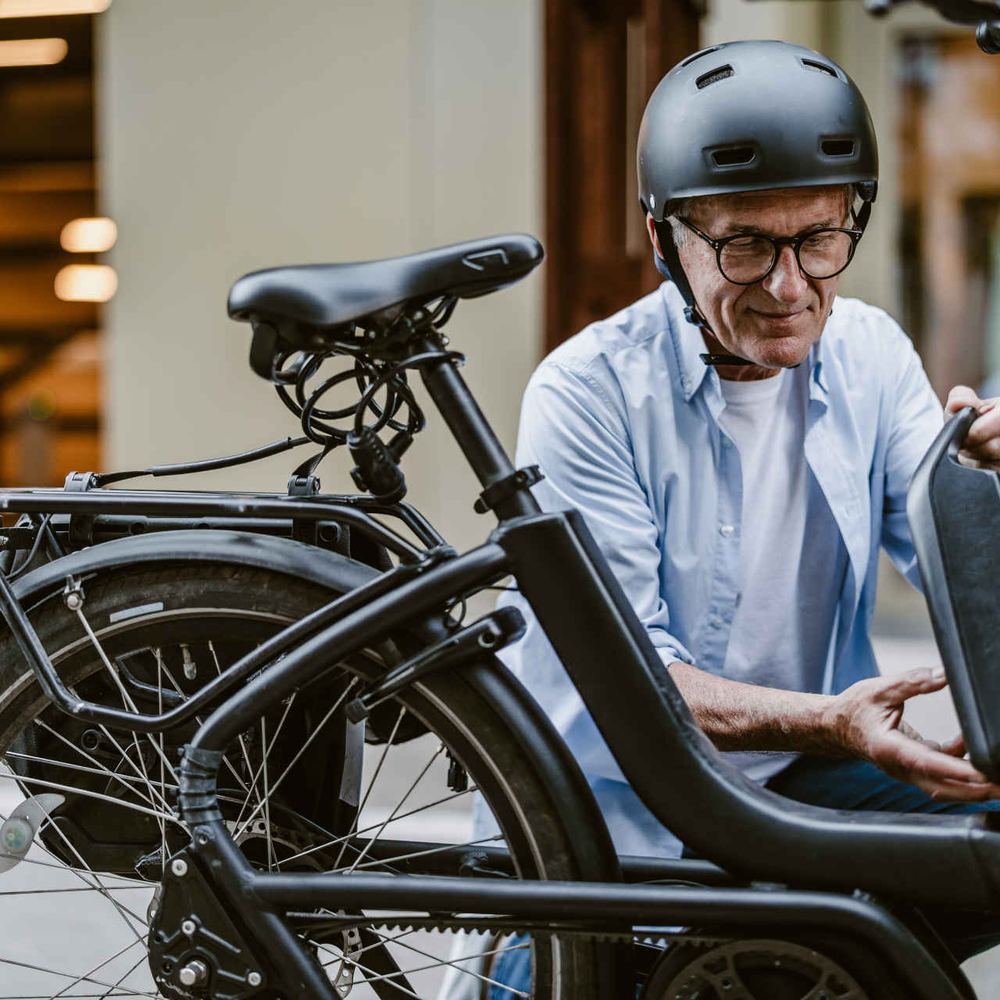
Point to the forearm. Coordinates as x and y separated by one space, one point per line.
737 716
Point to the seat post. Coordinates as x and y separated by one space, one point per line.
475 436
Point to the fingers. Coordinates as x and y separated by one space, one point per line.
898 688
960 397
916 762
910 733
982 443
958 791
954 747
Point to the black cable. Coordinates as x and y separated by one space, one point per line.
205 465
33 551
413 362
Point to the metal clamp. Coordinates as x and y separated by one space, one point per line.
497 492
488 634
81 526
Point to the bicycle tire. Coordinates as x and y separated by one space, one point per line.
143 608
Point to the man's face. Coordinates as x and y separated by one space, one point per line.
774 321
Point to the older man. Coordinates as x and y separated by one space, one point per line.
741 442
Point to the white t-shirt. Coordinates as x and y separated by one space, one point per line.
792 558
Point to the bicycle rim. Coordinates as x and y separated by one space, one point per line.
93 868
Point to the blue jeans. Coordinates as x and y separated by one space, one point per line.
836 783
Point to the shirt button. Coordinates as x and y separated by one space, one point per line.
726 530
717 622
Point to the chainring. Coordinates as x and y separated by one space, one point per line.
750 969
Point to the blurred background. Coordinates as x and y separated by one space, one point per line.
151 153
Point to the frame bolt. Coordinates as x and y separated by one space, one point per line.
194 973
188 927
179 867
255 978
202 839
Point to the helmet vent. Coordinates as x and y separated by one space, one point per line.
733 156
837 147
721 73
820 67
698 55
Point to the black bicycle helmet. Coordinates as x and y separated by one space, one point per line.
750 116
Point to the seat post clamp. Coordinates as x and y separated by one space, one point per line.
502 489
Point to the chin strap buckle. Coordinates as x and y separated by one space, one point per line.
724 359
694 317
499 491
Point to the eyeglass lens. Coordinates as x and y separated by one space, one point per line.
821 255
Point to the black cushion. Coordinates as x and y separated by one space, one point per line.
334 295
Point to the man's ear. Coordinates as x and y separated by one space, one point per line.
653 238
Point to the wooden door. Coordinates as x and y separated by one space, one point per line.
602 60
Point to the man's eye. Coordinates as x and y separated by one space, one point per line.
747 245
820 240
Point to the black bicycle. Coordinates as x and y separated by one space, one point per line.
204 695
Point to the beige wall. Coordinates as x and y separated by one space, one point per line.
243 134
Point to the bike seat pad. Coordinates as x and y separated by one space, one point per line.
954 515
333 296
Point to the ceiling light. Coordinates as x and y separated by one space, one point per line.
86 283
88 235
32 51
47 8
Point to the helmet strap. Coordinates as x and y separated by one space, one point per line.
669 265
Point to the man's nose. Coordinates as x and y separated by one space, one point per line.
786 282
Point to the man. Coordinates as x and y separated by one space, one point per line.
740 444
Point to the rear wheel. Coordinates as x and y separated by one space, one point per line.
293 790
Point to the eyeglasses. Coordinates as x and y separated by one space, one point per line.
747 258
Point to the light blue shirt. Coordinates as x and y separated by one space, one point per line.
624 420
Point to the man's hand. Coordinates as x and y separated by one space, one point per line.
982 443
866 721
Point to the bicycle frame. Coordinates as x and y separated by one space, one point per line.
786 843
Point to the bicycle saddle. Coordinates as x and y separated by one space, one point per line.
308 300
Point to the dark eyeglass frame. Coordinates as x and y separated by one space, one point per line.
795 242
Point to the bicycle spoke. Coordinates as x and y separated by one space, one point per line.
100 770
123 911
305 746
431 850
373 977
126 698
97 968
123 990
372 826
117 985
267 795
163 756
111 774
372 780
396 808
56 786
457 963
198 719
260 767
